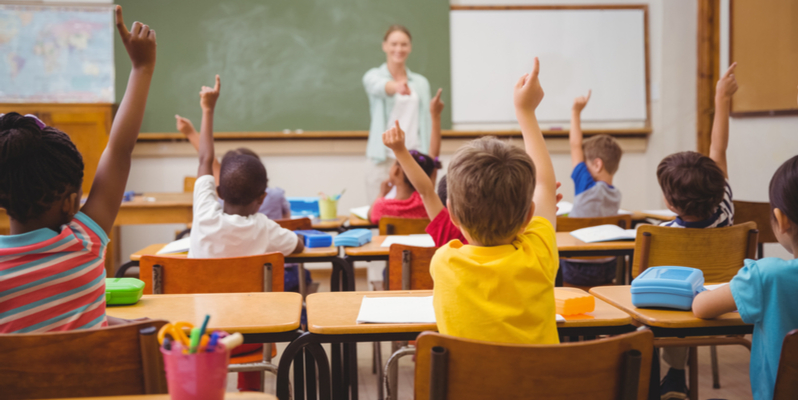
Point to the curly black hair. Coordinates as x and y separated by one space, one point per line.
39 166
425 161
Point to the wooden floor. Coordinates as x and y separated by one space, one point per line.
733 363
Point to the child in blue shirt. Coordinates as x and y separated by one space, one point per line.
765 291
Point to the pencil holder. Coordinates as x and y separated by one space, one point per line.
327 208
201 376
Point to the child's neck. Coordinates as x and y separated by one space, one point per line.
51 219
604 176
404 191
232 209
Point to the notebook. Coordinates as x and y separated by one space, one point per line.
565 207
178 246
421 240
603 233
361 212
401 310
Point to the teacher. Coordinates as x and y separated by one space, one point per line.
395 93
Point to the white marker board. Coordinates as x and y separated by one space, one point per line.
578 49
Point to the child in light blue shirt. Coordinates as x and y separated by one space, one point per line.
765 291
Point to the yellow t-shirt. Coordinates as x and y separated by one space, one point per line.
500 293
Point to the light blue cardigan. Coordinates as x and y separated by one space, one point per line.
381 105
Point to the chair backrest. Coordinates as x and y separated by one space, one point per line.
114 361
760 213
567 224
295 224
410 267
188 183
786 383
612 368
718 252
174 275
402 226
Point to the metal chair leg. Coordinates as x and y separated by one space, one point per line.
390 371
715 367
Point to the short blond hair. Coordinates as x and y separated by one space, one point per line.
490 187
605 148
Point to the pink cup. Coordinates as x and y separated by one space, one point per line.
200 376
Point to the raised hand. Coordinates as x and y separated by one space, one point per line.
436 103
559 196
184 125
209 96
581 101
140 43
395 138
727 86
528 92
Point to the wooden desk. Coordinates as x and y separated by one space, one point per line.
659 217
228 396
336 225
309 254
356 222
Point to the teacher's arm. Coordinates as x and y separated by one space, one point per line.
377 85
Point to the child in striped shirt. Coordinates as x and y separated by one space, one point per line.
52 275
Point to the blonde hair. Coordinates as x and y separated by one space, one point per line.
490 186
394 28
605 148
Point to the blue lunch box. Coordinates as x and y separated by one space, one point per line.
667 287
353 238
314 238
304 206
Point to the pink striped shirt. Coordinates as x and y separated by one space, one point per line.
53 281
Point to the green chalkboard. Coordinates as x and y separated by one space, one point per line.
284 64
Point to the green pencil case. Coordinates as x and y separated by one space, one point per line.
123 291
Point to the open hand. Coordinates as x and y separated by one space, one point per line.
580 102
140 42
209 96
386 187
528 92
436 103
184 125
395 138
727 86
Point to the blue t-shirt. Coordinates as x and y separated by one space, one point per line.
582 178
765 292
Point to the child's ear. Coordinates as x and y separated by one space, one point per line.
528 217
260 199
70 204
219 193
598 164
453 218
782 221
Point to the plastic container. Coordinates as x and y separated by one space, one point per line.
667 287
304 206
199 376
327 208
123 291
353 238
314 238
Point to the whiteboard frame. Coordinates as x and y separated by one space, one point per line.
642 7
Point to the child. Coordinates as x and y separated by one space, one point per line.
52 263
594 162
275 205
500 287
696 188
765 291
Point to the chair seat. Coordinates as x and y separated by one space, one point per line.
253 354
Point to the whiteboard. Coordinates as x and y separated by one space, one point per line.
601 50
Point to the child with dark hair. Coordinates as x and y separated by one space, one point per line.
696 188
52 263
765 291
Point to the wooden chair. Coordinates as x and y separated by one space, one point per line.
259 273
188 184
624 221
114 361
295 224
614 368
761 214
786 383
402 226
718 252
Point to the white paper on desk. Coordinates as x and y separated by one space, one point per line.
423 240
178 246
621 211
712 287
564 208
604 233
663 213
396 310
361 212
560 318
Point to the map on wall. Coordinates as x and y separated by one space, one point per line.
56 54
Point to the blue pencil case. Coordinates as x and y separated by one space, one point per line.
667 287
353 238
314 238
304 206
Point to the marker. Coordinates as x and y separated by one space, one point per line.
232 341
194 340
212 343
205 325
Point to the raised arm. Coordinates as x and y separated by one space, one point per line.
395 139
436 129
186 127
208 100
376 85
575 133
528 94
726 87
115 163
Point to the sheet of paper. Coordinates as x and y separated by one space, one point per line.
423 240
665 213
564 207
396 310
361 212
560 318
712 287
178 246
603 233
621 211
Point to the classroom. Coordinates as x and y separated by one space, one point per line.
428 199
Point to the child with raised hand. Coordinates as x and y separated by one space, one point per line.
500 286
765 291
53 260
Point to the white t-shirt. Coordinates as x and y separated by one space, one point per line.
216 234
406 112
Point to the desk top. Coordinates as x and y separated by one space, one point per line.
356 222
315 252
231 312
620 296
336 312
148 200
660 217
228 396
337 223
372 248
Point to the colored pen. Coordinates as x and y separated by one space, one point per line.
205 325
168 343
212 343
194 340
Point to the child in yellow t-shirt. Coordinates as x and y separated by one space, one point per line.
499 287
